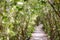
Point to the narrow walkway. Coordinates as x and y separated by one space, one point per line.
39 34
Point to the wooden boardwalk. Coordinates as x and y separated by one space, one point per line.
39 34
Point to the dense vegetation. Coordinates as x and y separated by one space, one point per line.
19 17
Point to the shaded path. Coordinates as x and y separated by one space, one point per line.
39 34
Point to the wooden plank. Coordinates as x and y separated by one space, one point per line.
39 34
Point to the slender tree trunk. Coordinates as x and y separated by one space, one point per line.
57 12
51 26
7 37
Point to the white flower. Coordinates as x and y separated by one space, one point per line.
8 30
21 12
20 3
12 19
3 22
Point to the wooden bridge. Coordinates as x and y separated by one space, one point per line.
39 34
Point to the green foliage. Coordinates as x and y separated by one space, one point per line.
19 17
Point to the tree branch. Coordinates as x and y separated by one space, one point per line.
54 9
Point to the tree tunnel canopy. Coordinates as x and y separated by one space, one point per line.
19 17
